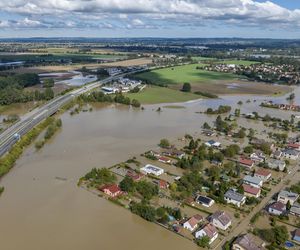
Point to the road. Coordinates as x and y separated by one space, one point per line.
11 135
243 227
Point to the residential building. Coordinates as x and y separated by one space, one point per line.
134 175
213 143
285 196
295 146
277 154
247 242
277 208
251 191
253 181
248 163
296 236
291 154
208 230
263 174
192 223
205 201
257 157
235 198
295 209
276 164
162 184
111 189
174 153
165 160
151 169
220 219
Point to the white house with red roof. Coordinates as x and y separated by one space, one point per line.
295 146
208 230
277 208
248 163
263 174
192 223
111 189
251 191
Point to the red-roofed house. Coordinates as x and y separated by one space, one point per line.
163 184
251 191
246 163
164 159
208 230
192 223
134 175
277 208
263 174
111 189
295 146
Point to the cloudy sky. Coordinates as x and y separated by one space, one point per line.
158 18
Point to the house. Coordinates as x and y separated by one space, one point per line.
263 174
257 157
247 242
287 196
174 153
213 143
277 154
208 132
134 175
251 191
192 223
253 181
220 219
276 164
162 184
235 198
248 163
291 154
165 160
216 163
295 209
111 189
277 208
296 236
295 146
205 201
151 169
208 230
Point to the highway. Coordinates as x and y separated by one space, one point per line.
12 134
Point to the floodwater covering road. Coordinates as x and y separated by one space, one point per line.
42 207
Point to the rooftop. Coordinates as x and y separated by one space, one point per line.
250 189
234 195
222 216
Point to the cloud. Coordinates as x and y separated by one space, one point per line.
148 13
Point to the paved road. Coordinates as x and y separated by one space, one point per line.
11 135
294 177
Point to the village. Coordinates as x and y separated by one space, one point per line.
213 188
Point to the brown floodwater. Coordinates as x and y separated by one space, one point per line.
43 209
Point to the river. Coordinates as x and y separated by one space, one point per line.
39 211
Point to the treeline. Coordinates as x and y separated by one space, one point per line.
117 98
12 89
8 160
51 130
221 110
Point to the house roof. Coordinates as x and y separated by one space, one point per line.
234 195
289 195
194 220
163 184
204 199
291 152
262 172
278 206
210 230
293 145
297 233
252 179
246 162
113 188
247 242
221 216
250 189
295 208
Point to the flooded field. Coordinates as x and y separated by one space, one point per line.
42 207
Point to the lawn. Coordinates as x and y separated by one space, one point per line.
180 74
238 62
153 95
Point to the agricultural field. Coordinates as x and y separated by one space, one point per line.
153 95
239 62
208 81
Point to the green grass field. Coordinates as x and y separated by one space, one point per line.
239 62
181 74
153 95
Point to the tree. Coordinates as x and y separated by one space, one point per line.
145 211
147 189
186 87
135 103
164 143
241 133
248 149
49 94
237 112
48 83
203 242
206 126
127 184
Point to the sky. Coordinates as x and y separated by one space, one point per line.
150 18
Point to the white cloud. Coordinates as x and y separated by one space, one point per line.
143 13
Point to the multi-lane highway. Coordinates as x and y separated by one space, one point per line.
12 134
